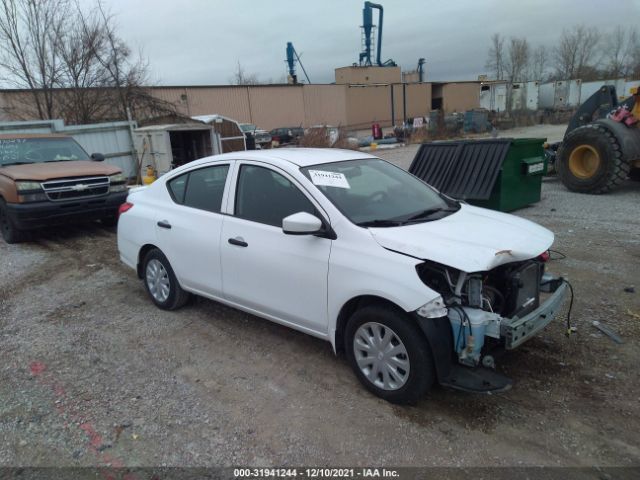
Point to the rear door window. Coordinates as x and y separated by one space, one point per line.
177 187
201 189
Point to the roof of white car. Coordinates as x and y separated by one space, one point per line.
303 157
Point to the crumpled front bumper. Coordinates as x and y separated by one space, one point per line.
516 331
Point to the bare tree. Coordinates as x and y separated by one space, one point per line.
575 53
539 63
634 55
517 60
84 99
241 77
126 73
73 63
495 58
30 32
619 48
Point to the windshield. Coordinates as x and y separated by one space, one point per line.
17 151
372 192
247 127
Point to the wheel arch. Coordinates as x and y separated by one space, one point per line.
146 248
349 308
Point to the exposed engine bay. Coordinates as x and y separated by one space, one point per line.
502 304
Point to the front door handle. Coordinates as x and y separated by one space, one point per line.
239 241
164 224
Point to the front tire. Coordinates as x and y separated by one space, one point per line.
161 283
590 160
10 232
389 354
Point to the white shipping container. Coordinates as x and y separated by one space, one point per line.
493 96
532 95
560 94
524 96
573 94
546 95
518 96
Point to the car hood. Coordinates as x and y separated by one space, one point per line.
53 170
472 239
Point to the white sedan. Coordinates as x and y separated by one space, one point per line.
413 286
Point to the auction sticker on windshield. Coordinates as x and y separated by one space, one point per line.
329 179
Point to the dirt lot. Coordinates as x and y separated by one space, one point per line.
91 373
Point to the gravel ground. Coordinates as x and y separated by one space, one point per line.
92 374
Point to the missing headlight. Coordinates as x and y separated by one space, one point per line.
474 292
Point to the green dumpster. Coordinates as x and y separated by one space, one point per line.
500 174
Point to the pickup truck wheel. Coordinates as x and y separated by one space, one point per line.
389 354
161 283
10 232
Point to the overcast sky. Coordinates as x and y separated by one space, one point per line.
199 42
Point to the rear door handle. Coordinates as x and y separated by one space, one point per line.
164 224
239 241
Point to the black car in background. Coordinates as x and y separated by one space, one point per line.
287 135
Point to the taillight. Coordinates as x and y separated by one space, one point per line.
125 207
544 256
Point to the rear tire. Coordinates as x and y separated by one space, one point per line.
161 283
10 232
412 371
590 160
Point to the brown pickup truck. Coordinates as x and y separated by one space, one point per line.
49 180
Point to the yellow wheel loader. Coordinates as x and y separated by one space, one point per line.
601 147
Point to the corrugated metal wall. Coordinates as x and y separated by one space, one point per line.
368 104
460 97
418 99
111 139
273 107
325 105
353 106
231 102
372 103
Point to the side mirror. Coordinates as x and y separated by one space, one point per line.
301 223
97 157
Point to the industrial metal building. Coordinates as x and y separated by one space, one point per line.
369 94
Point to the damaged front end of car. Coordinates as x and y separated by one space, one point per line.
483 313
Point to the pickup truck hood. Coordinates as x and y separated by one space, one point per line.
53 170
472 239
